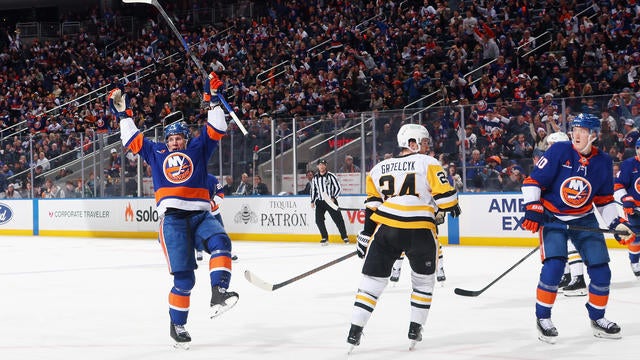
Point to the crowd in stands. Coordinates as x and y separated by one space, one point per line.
342 58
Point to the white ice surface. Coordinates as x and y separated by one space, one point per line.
93 299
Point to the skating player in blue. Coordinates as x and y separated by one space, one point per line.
179 171
627 192
563 188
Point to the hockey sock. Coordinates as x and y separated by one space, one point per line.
550 276
179 297
634 252
600 276
366 299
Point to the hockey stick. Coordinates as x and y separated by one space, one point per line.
463 292
255 280
560 226
327 199
195 60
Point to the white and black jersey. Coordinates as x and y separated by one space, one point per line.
324 184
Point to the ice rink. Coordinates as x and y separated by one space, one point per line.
73 298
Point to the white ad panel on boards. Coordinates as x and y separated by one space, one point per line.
16 217
125 216
286 215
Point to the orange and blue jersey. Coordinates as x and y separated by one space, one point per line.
179 177
568 184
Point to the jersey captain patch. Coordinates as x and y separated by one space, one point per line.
178 167
575 191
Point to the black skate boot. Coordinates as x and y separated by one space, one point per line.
222 300
440 277
606 329
395 274
345 240
415 334
324 242
355 333
566 280
546 331
180 335
577 287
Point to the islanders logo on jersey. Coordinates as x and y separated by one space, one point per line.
178 167
575 191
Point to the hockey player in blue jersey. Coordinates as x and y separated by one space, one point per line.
179 171
627 191
563 188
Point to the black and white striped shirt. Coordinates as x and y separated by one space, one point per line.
327 183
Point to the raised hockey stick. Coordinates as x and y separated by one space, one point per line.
255 280
195 60
464 292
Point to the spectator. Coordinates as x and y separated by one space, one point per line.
349 166
307 187
10 193
259 188
244 188
43 162
228 187
82 190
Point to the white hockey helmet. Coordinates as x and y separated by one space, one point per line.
412 131
557 137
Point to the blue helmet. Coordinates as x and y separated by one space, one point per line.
178 127
588 121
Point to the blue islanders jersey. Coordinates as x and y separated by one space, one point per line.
627 180
568 184
215 189
179 177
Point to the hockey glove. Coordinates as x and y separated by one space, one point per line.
211 87
621 224
119 103
454 210
440 217
363 244
533 216
628 204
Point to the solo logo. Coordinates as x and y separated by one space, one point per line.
5 214
147 215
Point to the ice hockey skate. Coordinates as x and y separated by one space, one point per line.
395 274
324 242
635 267
346 240
221 301
547 332
577 287
355 333
606 329
415 334
199 255
234 257
566 280
440 277
180 335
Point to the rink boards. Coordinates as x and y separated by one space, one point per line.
487 219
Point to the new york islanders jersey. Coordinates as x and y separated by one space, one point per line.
405 191
179 177
569 184
627 180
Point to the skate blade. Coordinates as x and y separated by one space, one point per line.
604 335
548 339
351 348
574 293
412 345
217 310
182 345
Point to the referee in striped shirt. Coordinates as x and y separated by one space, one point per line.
324 182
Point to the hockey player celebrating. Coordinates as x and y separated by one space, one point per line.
403 194
627 191
179 171
567 181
